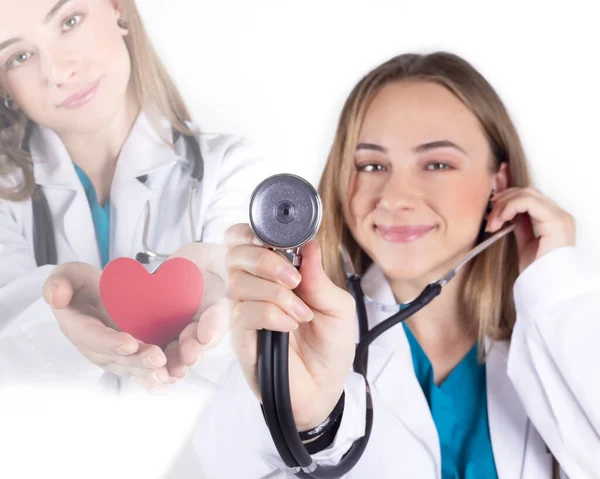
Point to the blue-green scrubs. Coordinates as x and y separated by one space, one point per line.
459 410
100 215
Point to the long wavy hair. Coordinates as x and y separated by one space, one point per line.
152 84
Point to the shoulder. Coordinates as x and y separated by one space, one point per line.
219 146
229 155
8 182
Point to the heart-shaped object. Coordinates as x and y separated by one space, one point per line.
152 307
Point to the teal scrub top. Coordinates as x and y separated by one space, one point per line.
100 215
459 410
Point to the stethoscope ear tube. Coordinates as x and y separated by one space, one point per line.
427 295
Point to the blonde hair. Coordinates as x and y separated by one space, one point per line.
153 85
487 296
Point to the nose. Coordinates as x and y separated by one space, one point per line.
400 192
58 65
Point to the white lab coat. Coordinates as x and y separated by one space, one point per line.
32 348
543 389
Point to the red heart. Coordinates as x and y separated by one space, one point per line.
152 307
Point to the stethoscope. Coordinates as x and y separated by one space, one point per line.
276 205
44 241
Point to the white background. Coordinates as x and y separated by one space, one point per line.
278 73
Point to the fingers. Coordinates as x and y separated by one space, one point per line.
245 287
88 333
255 315
263 263
546 216
241 234
175 365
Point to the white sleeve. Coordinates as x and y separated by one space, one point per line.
554 356
32 347
240 171
232 439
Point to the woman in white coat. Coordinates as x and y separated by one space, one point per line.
92 120
425 162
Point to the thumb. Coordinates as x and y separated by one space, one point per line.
57 291
316 289
213 325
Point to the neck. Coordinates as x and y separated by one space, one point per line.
443 320
96 153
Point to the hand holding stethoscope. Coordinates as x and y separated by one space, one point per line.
267 292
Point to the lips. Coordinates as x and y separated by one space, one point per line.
403 234
81 97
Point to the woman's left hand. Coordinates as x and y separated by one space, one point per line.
542 225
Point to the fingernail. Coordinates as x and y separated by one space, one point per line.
292 324
124 350
51 289
155 377
301 311
149 361
290 277
209 342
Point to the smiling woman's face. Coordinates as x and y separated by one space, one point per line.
424 175
64 63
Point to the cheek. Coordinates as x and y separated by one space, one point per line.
362 202
464 207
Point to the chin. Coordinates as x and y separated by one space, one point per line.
89 119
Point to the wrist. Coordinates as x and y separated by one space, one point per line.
322 436
322 413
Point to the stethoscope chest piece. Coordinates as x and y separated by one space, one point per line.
285 211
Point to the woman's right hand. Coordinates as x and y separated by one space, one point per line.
319 316
73 292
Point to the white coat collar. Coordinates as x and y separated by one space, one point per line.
143 152
391 372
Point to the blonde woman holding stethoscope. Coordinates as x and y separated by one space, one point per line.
425 162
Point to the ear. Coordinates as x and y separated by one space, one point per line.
117 7
117 10
500 180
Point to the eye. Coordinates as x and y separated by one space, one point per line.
438 166
370 168
18 59
71 22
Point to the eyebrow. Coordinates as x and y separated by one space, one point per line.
49 16
432 145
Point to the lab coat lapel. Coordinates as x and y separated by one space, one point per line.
54 171
143 153
507 418
391 370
